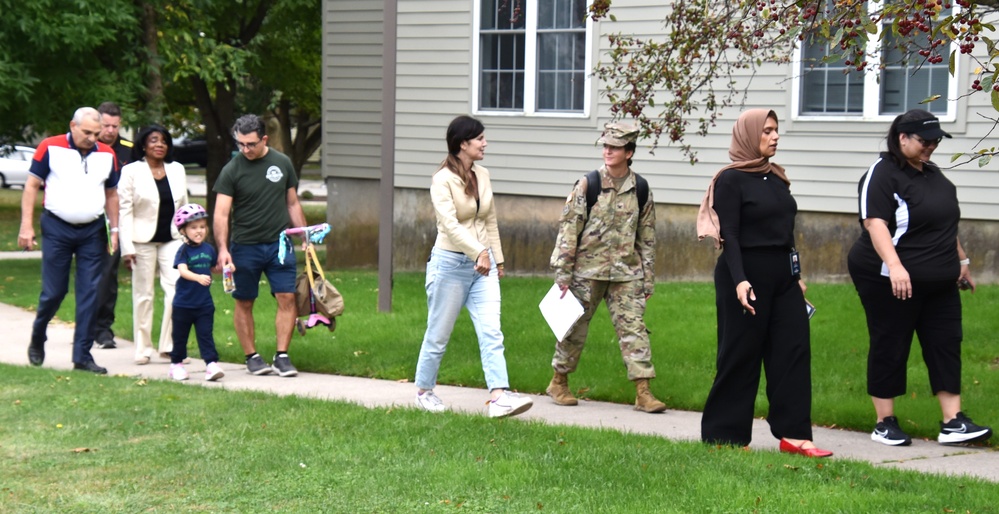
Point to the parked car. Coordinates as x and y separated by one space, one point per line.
191 150
15 160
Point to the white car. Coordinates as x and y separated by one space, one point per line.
14 164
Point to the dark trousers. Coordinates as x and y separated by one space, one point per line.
60 242
107 297
933 313
203 321
776 337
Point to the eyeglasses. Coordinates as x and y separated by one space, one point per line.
927 142
248 146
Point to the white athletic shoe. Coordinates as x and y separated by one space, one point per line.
509 404
430 401
213 372
177 372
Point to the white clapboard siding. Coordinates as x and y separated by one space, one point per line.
543 155
352 88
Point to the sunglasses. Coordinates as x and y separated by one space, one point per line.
927 142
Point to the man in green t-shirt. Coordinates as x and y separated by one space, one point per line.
258 188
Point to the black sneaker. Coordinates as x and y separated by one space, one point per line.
107 344
256 366
888 432
282 366
962 430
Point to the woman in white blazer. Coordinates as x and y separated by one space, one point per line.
151 189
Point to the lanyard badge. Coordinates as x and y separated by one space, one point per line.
795 263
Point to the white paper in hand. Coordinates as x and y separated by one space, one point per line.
560 313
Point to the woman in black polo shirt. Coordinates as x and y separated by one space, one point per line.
907 266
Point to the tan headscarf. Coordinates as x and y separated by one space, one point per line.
745 155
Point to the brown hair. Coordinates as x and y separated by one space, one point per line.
461 129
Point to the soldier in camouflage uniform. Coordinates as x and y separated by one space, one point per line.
608 254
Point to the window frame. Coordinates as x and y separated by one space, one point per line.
530 13
871 84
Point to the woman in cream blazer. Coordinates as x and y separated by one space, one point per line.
464 270
151 189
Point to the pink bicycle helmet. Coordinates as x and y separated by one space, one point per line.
188 213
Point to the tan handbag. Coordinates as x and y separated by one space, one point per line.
328 301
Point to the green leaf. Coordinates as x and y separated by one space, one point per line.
951 62
929 99
984 161
955 157
995 100
990 45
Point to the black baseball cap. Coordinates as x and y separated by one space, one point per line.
928 129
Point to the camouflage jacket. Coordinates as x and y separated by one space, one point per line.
616 243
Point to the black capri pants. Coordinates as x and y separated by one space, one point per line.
933 313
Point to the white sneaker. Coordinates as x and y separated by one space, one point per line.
509 404
213 372
430 401
177 372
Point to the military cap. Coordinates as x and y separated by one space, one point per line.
618 134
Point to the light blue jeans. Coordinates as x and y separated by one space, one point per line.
452 282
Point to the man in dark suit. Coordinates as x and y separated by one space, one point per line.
107 289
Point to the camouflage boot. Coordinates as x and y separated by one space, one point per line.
644 401
558 389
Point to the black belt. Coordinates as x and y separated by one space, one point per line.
74 225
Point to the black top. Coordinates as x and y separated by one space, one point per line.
165 217
922 213
755 211
122 151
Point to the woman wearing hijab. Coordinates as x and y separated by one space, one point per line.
759 294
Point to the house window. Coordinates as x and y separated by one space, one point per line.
535 62
825 89
905 80
501 54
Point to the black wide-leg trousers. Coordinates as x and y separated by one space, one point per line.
776 337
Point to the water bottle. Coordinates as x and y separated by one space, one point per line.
228 284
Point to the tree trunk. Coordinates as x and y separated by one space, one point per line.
307 138
154 79
218 116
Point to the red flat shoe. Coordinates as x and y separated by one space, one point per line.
787 447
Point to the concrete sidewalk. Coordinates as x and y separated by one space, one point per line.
924 456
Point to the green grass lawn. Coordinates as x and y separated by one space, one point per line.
680 316
74 442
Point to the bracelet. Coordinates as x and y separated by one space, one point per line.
965 262
114 229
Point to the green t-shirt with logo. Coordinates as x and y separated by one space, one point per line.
259 190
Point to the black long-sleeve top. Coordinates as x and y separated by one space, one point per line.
755 211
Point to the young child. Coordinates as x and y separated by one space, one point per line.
192 302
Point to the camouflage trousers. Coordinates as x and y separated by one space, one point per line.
626 303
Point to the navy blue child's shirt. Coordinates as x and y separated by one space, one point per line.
199 259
